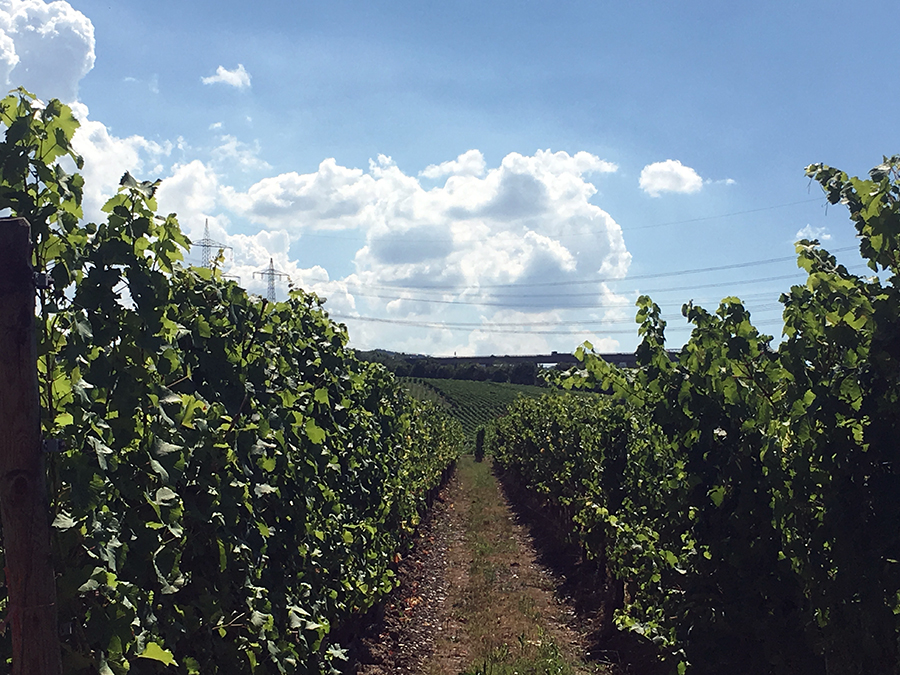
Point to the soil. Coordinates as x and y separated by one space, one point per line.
487 574
402 636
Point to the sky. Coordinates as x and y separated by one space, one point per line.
480 178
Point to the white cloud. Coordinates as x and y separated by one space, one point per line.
107 157
532 339
526 219
810 232
492 240
45 47
470 163
191 192
334 197
495 243
238 77
669 176
339 297
234 153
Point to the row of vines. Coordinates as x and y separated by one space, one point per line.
746 496
233 483
472 402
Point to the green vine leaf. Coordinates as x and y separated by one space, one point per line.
156 653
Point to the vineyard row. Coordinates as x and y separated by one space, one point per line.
744 498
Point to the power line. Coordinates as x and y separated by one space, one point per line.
511 303
498 299
455 328
723 215
508 328
668 289
599 280
660 275
625 230
495 300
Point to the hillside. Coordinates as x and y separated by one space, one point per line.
473 403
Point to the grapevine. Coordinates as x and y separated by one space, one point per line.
235 484
746 493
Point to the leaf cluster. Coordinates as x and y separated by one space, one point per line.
235 484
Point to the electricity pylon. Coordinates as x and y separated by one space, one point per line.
271 273
207 259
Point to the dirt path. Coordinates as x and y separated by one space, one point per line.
474 597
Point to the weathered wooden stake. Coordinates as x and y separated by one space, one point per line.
30 582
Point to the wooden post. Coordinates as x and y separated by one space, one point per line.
30 581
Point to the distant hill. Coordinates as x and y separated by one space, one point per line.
421 366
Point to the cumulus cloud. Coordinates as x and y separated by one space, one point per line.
487 239
534 338
107 157
238 78
810 232
511 239
475 244
235 153
334 197
469 163
191 191
528 219
45 47
669 176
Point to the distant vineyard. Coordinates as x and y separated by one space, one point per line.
473 403
419 390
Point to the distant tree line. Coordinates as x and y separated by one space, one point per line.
403 365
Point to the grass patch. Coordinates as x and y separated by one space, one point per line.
504 628
529 657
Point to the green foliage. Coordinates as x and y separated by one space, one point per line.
235 482
747 495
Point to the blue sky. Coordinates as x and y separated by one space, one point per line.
479 178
